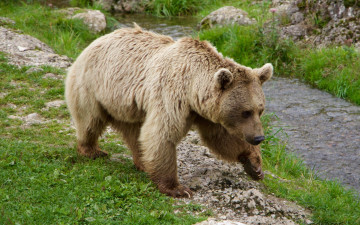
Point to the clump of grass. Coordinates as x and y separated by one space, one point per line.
334 69
43 181
329 201
81 3
250 45
170 8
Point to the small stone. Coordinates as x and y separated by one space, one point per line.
226 15
22 49
251 204
33 118
55 104
34 70
52 76
13 117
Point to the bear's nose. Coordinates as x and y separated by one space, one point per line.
258 139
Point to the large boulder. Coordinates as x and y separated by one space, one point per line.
24 50
94 19
224 16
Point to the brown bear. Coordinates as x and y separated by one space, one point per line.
153 89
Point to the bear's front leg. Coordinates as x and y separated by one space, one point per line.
158 143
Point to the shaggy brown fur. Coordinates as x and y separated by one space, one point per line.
152 89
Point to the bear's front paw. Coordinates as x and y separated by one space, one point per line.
177 192
91 152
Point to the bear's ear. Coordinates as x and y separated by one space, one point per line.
223 78
265 73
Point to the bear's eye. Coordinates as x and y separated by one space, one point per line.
246 114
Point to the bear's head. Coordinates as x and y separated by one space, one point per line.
242 101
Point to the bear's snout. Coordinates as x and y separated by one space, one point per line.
256 140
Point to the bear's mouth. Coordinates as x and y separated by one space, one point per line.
254 172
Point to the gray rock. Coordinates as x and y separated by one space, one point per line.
297 17
34 70
129 6
37 53
33 118
224 16
296 31
94 19
55 104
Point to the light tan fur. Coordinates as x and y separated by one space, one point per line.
152 89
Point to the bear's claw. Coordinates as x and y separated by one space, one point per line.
91 152
178 192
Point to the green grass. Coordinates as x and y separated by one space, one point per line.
329 201
170 8
66 36
250 45
43 181
334 69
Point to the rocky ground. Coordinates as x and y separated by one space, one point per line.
227 190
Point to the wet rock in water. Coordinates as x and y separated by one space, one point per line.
36 54
224 16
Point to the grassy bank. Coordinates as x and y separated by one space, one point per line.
43 181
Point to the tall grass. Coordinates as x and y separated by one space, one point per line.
250 45
334 69
170 8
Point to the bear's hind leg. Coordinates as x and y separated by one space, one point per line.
88 131
130 133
